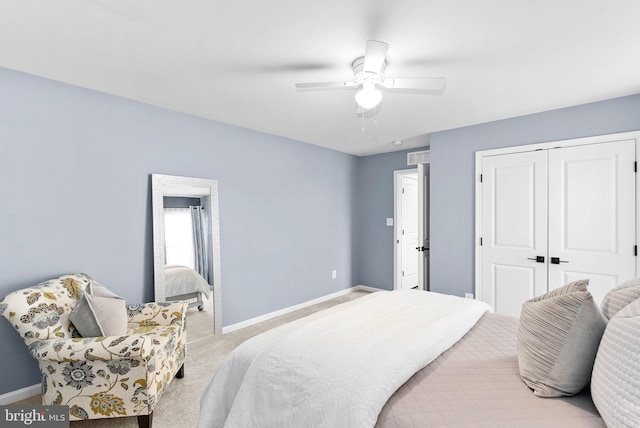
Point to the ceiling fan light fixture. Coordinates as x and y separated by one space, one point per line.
368 97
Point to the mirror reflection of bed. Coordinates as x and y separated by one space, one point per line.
184 283
186 249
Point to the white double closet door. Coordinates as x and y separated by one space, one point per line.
553 216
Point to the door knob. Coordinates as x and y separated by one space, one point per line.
537 259
557 261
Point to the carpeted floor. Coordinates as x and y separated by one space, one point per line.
180 404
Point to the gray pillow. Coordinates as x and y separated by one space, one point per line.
619 297
558 338
572 287
615 385
99 313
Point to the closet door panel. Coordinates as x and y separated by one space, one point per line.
599 283
592 215
514 206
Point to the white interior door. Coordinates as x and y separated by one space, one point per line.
570 211
592 215
514 224
423 226
409 231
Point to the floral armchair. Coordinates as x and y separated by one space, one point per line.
99 377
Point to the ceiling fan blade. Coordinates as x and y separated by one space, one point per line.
313 85
423 83
374 56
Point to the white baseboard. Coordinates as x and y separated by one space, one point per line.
367 288
19 394
265 317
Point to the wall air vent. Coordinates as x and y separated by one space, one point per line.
415 158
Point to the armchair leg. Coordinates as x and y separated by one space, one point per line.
144 421
180 372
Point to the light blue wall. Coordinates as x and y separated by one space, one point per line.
452 175
375 242
75 196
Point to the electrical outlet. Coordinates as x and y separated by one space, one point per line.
334 274
468 295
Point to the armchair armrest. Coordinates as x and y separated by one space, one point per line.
158 313
133 347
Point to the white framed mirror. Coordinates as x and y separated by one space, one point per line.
186 244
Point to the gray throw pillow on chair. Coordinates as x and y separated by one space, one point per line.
100 313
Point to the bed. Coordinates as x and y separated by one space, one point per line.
185 284
476 383
396 359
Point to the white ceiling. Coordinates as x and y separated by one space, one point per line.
237 61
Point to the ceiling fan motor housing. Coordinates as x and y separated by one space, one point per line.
359 75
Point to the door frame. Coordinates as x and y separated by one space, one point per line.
424 180
422 171
397 201
540 146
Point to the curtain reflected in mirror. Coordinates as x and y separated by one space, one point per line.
186 249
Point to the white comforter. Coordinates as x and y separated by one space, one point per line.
338 367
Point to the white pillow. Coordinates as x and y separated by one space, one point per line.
615 384
100 313
619 297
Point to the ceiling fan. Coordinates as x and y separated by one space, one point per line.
368 74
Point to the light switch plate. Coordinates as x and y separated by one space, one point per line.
389 222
